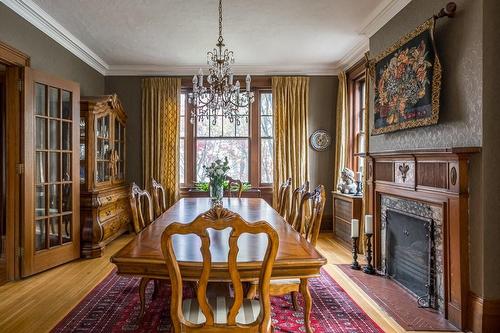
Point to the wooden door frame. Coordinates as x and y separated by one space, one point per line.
15 61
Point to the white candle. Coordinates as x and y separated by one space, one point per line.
369 224
354 228
359 176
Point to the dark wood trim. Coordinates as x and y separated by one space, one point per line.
13 136
483 315
438 177
13 57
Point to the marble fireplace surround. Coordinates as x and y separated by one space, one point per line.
425 211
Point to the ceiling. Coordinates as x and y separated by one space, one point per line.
127 37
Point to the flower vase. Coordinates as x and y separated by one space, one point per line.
216 192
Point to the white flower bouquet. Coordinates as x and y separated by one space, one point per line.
216 173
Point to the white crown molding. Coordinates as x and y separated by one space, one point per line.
381 15
140 70
35 15
354 55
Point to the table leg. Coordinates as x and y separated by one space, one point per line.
304 290
142 295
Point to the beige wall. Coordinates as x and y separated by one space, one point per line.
47 55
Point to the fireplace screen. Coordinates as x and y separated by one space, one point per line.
409 241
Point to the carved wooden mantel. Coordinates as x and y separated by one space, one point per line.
439 178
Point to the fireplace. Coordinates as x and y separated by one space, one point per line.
427 185
410 250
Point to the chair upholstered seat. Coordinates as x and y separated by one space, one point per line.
248 313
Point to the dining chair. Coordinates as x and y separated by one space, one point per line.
220 313
296 199
142 216
284 198
307 224
142 208
159 199
237 183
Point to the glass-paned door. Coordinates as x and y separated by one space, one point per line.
83 151
119 150
103 149
52 125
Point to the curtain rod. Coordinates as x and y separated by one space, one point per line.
448 11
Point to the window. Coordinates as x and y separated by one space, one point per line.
359 126
219 138
266 138
248 144
357 87
182 140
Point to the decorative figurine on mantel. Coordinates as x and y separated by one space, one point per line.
347 184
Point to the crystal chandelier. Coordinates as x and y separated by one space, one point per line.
221 97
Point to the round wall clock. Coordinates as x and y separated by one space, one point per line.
320 140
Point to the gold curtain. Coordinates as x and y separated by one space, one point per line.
160 133
291 108
342 129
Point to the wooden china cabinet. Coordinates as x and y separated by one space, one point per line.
105 210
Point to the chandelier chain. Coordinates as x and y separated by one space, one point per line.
221 39
221 97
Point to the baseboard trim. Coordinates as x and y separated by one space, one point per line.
484 314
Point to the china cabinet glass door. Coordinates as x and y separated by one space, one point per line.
52 154
103 149
119 151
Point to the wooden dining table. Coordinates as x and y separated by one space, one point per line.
296 257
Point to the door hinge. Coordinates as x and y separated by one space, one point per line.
20 168
20 252
20 84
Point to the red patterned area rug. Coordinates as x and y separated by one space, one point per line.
113 306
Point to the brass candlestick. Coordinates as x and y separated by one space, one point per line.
368 269
355 265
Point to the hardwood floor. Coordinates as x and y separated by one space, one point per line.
38 303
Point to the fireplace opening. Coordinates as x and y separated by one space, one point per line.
410 254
